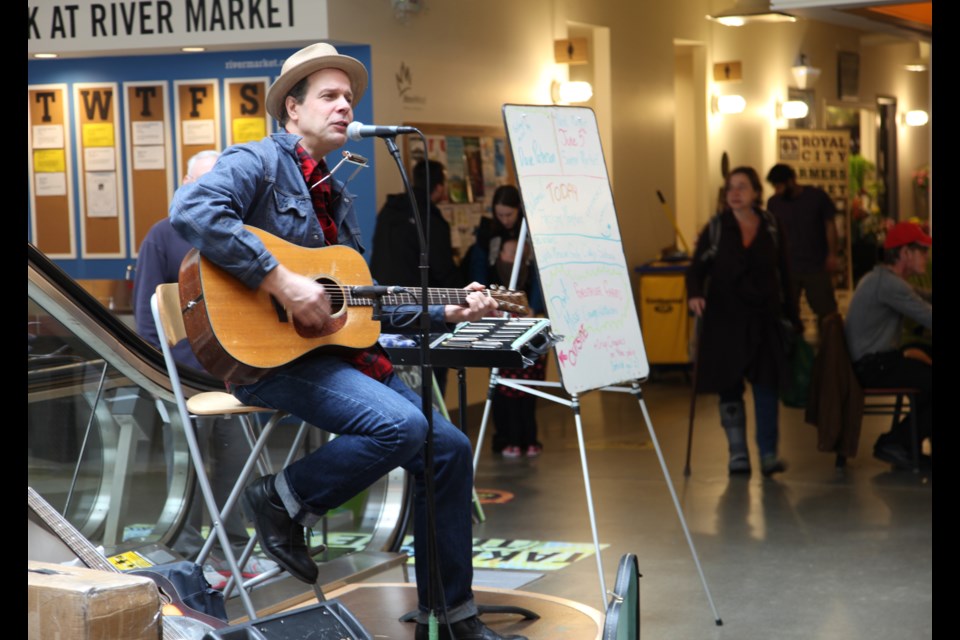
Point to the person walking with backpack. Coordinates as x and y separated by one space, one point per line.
738 285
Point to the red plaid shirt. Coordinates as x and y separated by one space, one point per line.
373 361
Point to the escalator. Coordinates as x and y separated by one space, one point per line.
106 449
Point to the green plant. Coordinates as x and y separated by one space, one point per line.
865 190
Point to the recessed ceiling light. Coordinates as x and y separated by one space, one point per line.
192 49
44 55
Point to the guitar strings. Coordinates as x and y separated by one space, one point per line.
340 294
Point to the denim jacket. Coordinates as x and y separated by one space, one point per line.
260 184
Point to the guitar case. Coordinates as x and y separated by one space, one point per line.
622 619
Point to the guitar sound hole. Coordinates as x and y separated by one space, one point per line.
338 304
335 293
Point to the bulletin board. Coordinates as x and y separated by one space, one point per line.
197 118
50 167
108 146
573 224
477 161
97 121
150 152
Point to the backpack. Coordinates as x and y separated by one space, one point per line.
713 231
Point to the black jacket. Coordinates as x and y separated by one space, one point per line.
742 335
395 258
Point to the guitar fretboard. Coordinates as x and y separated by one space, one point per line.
413 297
75 540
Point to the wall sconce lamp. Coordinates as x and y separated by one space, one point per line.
568 92
728 104
804 74
792 110
916 118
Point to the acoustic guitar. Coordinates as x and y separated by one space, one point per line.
180 622
239 334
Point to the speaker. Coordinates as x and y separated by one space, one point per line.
328 620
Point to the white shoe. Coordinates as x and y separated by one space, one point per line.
214 578
255 566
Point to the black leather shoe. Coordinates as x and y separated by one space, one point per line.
894 454
280 537
466 629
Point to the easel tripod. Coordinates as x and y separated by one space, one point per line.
530 386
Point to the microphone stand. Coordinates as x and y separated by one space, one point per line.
426 386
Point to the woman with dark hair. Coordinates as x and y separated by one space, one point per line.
741 256
491 261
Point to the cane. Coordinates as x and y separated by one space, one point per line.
693 392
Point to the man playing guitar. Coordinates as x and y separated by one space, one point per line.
281 184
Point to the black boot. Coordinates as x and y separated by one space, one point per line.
466 629
281 538
733 418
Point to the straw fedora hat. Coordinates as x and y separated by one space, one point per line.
304 62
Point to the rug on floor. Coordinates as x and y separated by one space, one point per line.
488 553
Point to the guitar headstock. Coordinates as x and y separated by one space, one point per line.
510 300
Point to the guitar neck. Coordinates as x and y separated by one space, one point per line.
76 542
412 296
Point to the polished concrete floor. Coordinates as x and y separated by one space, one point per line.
811 554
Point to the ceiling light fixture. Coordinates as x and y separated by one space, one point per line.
919 63
750 11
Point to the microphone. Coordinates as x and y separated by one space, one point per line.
375 291
359 131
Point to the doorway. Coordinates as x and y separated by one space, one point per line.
693 199
889 198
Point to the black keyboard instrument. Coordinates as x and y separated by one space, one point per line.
489 342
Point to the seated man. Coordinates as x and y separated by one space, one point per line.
281 185
882 300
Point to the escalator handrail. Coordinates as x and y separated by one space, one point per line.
150 354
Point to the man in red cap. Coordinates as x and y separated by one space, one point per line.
874 329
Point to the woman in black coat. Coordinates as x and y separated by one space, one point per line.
491 261
742 312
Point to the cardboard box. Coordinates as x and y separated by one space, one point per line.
76 603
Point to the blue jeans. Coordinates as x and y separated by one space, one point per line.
766 409
379 426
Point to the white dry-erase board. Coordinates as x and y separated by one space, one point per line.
573 227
